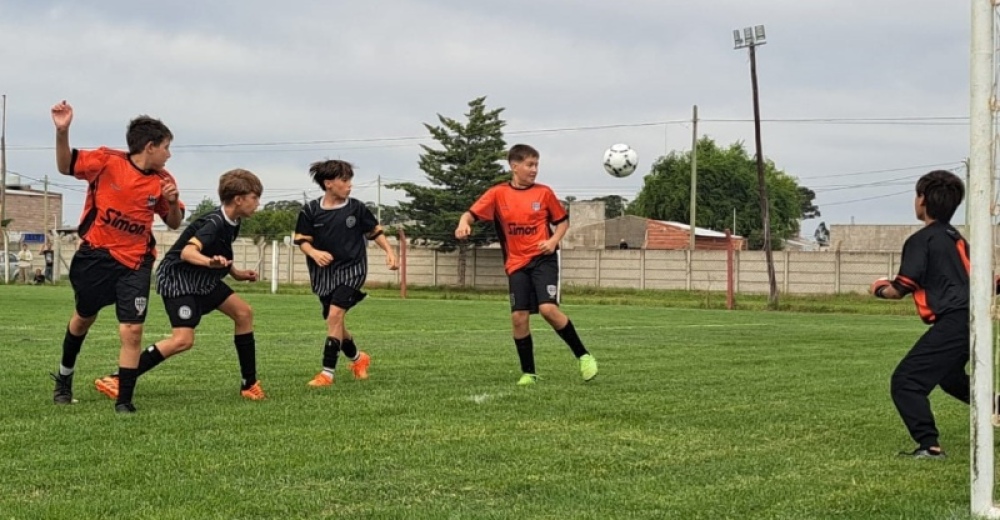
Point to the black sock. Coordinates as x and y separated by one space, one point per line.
71 348
148 360
526 353
126 384
330 351
568 334
246 351
349 349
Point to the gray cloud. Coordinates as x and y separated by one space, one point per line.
259 72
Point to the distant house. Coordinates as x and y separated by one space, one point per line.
643 233
661 234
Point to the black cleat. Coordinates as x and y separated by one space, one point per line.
63 394
924 453
125 408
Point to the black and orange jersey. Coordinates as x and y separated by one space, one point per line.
523 218
935 268
121 200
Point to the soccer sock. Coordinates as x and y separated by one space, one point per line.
71 349
526 353
246 351
568 334
349 349
148 360
330 351
126 384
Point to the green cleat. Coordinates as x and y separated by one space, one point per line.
588 367
527 380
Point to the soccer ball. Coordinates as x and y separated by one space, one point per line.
620 160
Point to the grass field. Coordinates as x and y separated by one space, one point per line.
696 414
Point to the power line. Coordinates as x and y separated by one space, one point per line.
926 120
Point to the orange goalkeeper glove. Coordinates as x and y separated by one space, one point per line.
878 287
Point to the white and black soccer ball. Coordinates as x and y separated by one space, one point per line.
620 160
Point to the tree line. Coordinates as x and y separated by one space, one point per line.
469 157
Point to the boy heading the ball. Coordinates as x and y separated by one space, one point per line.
333 231
524 214
114 262
190 281
935 269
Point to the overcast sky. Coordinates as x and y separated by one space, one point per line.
272 86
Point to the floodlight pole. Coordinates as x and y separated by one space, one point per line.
980 189
751 38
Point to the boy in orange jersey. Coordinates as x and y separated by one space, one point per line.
114 263
523 213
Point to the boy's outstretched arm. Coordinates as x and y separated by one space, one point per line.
62 116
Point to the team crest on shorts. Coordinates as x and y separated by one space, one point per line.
551 290
184 312
351 221
535 206
140 305
151 201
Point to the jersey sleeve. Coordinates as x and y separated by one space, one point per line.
912 266
369 222
88 164
485 207
208 232
304 227
162 206
557 213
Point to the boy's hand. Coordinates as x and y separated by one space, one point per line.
62 115
463 231
218 262
169 191
391 262
547 247
322 258
244 276
878 286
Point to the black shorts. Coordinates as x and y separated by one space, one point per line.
99 280
343 296
535 284
186 311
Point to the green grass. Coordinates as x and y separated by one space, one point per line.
696 414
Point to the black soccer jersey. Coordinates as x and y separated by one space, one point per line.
343 232
214 235
935 268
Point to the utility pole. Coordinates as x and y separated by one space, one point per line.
378 200
694 175
45 210
3 187
751 38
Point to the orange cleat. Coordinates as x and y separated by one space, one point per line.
321 379
107 385
254 393
360 367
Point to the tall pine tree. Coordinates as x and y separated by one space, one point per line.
466 164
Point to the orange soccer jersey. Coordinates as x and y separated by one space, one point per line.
121 201
522 217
